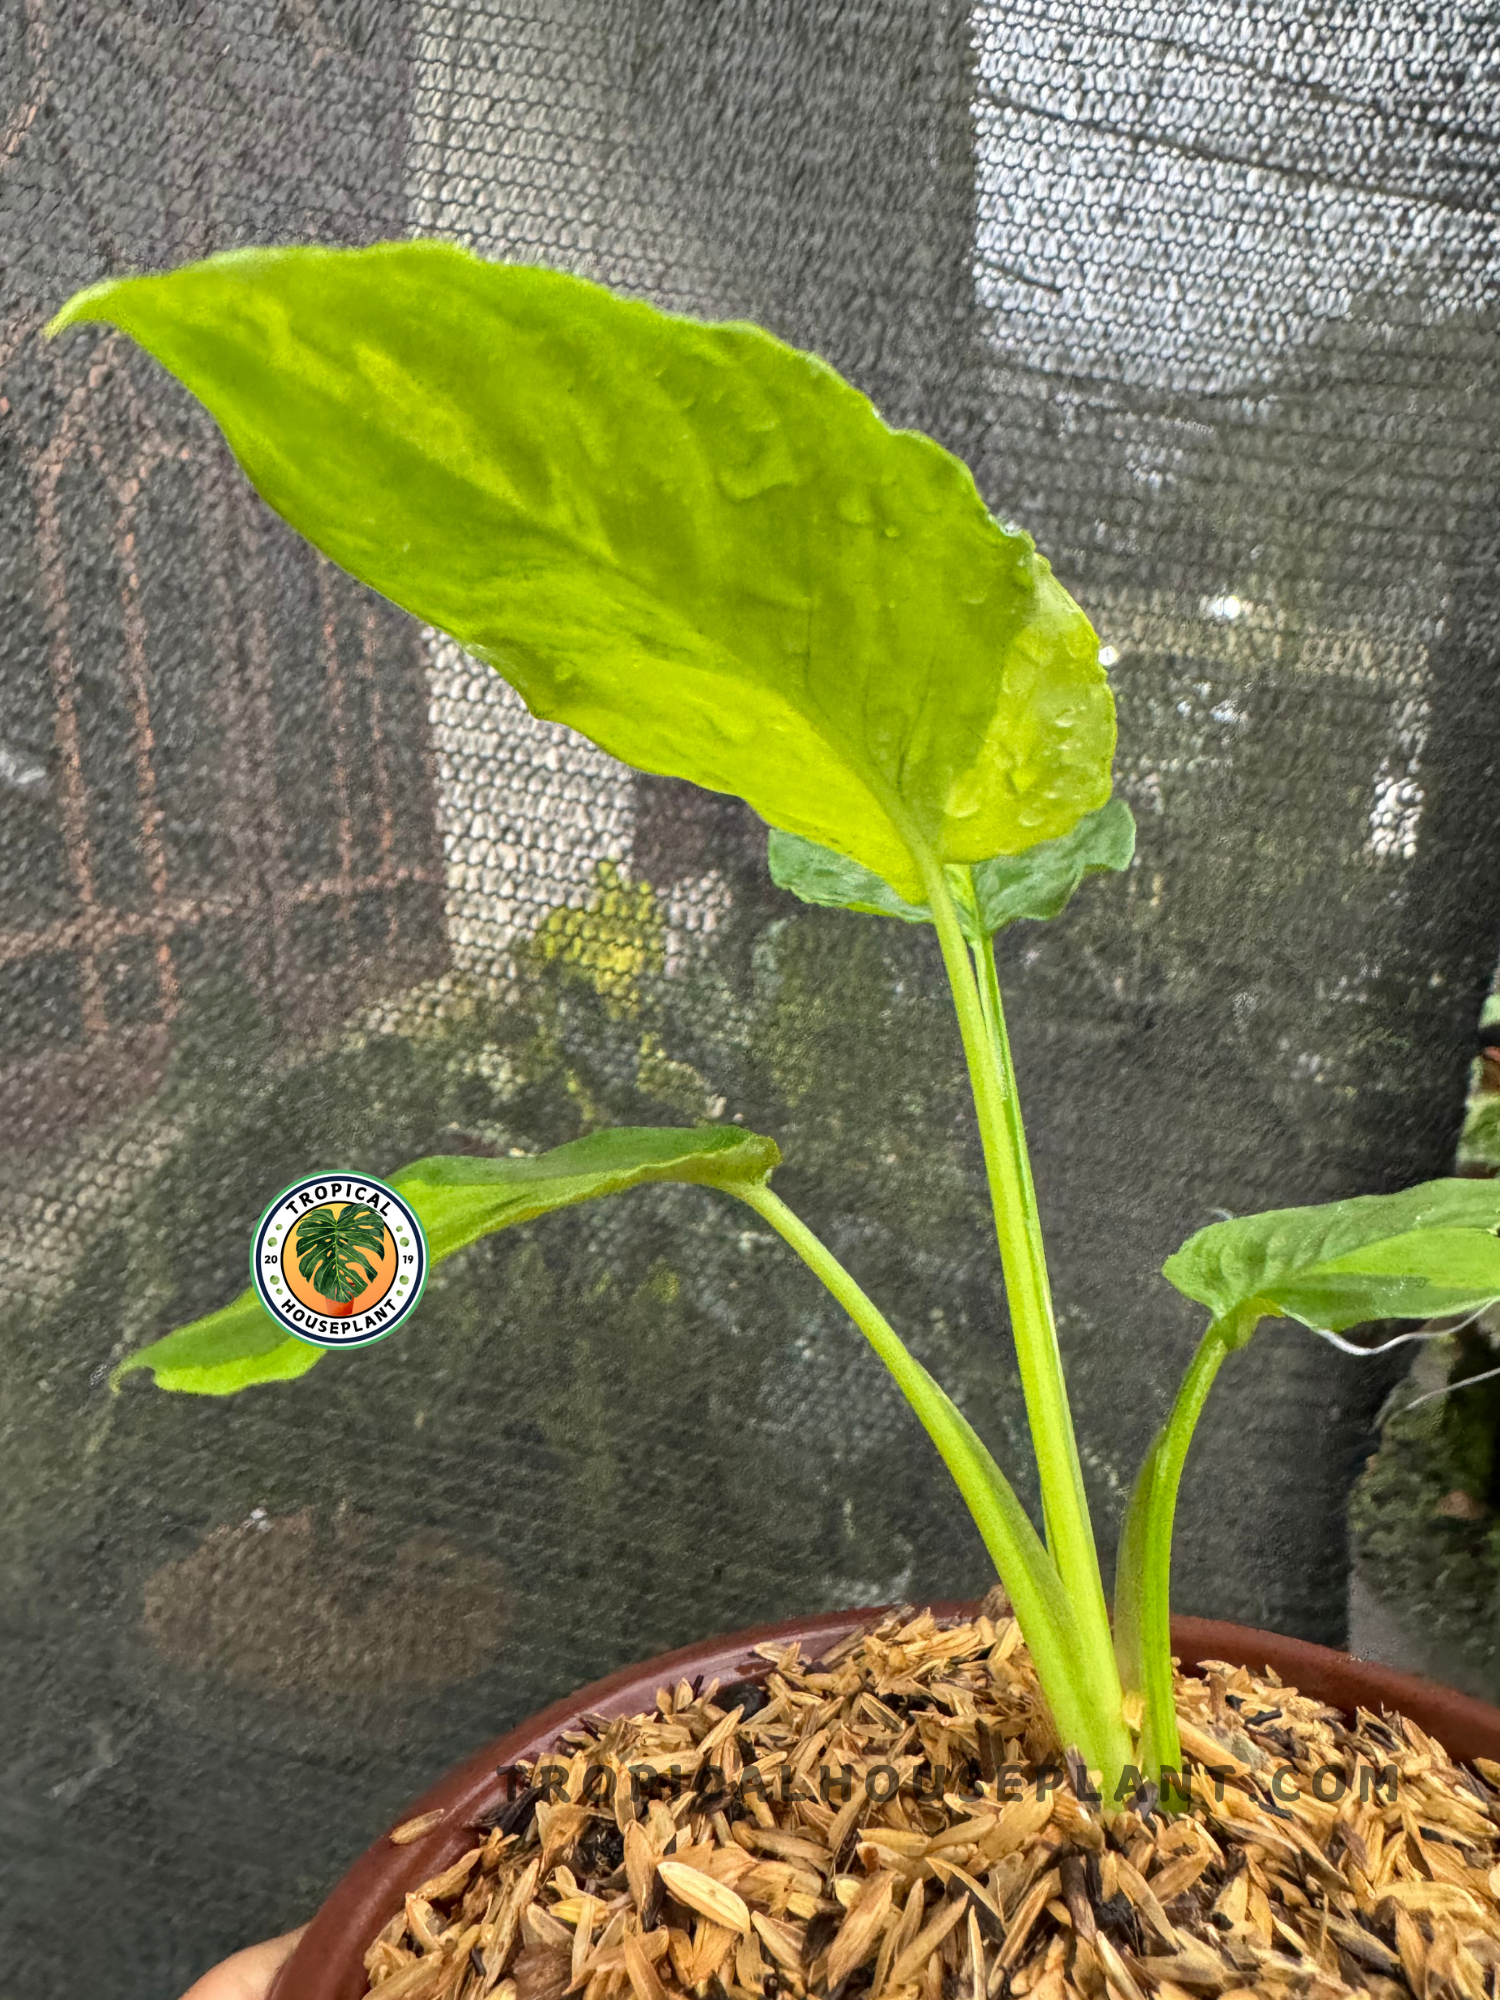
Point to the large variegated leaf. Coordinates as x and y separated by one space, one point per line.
696 545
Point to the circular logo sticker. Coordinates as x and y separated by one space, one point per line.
339 1259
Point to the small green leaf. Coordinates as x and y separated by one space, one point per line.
1038 883
457 1200
229 1350
1429 1251
696 545
818 875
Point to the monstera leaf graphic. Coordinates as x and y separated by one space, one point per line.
331 1250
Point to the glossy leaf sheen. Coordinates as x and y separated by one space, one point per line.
1037 884
457 1200
1415 1255
696 545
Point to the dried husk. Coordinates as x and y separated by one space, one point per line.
895 1821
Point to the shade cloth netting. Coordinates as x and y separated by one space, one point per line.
1206 295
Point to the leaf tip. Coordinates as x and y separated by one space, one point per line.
82 308
126 1367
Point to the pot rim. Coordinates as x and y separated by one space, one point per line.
328 1963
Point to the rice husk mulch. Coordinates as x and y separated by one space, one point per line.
738 1843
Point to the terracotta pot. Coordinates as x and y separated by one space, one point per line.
328 1963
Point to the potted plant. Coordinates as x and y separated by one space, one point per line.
708 553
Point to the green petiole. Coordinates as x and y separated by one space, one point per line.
1025 1567
1143 1571
1092 1673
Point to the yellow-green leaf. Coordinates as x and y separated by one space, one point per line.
696 545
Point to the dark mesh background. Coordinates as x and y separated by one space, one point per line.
1207 297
